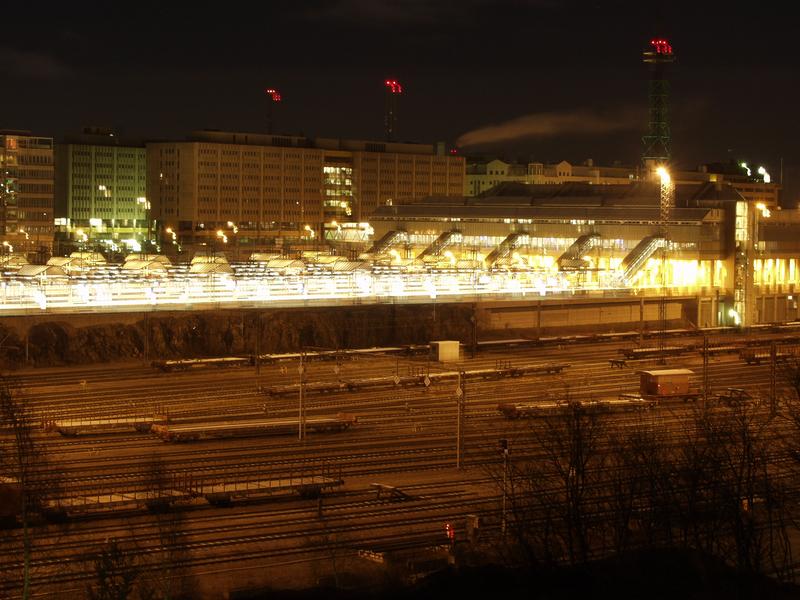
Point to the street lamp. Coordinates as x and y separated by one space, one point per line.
235 229
27 237
146 207
221 235
80 233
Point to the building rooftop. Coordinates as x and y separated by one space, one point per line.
298 141
636 201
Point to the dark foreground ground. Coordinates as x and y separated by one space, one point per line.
674 575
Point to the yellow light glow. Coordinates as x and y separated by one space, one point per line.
664 175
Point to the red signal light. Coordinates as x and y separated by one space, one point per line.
394 86
661 46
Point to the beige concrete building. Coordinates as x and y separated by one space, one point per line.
26 193
482 176
268 186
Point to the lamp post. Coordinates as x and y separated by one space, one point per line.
235 229
222 237
762 212
85 238
175 241
27 238
145 203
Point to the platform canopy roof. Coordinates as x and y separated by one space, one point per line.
573 201
41 271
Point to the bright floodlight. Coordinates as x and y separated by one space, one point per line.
663 174
763 172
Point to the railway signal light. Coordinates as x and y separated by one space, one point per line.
450 532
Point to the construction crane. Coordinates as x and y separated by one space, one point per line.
273 97
393 90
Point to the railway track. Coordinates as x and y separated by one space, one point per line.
402 432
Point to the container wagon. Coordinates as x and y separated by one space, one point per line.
251 428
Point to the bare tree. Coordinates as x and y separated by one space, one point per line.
115 573
166 573
22 458
744 501
554 495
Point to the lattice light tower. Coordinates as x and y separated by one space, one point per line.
666 202
393 90
657 141
273 97
666 198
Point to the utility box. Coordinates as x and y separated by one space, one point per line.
10 498
665 382
446 351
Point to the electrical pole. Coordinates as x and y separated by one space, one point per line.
461 398
474 320
301 428
146 348
705 372
504 450
258 344
773 399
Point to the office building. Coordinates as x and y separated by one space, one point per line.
258 189
26 203
100 190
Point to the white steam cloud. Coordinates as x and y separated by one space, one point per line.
551 124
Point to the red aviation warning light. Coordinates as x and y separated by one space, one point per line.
273 94
394 86
661 46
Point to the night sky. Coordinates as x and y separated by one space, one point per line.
568 73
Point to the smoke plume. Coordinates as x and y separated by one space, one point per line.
550 124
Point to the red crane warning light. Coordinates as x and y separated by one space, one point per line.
273 94
394 86
661 46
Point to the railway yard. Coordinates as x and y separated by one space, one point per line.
250 494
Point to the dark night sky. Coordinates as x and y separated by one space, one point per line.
157 71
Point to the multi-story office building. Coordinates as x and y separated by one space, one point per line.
26 193
100 189
269 186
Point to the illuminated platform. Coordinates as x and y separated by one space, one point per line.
24 297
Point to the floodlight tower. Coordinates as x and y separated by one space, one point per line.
657 141
273 97
666 202
393 90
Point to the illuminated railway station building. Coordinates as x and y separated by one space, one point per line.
735 257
